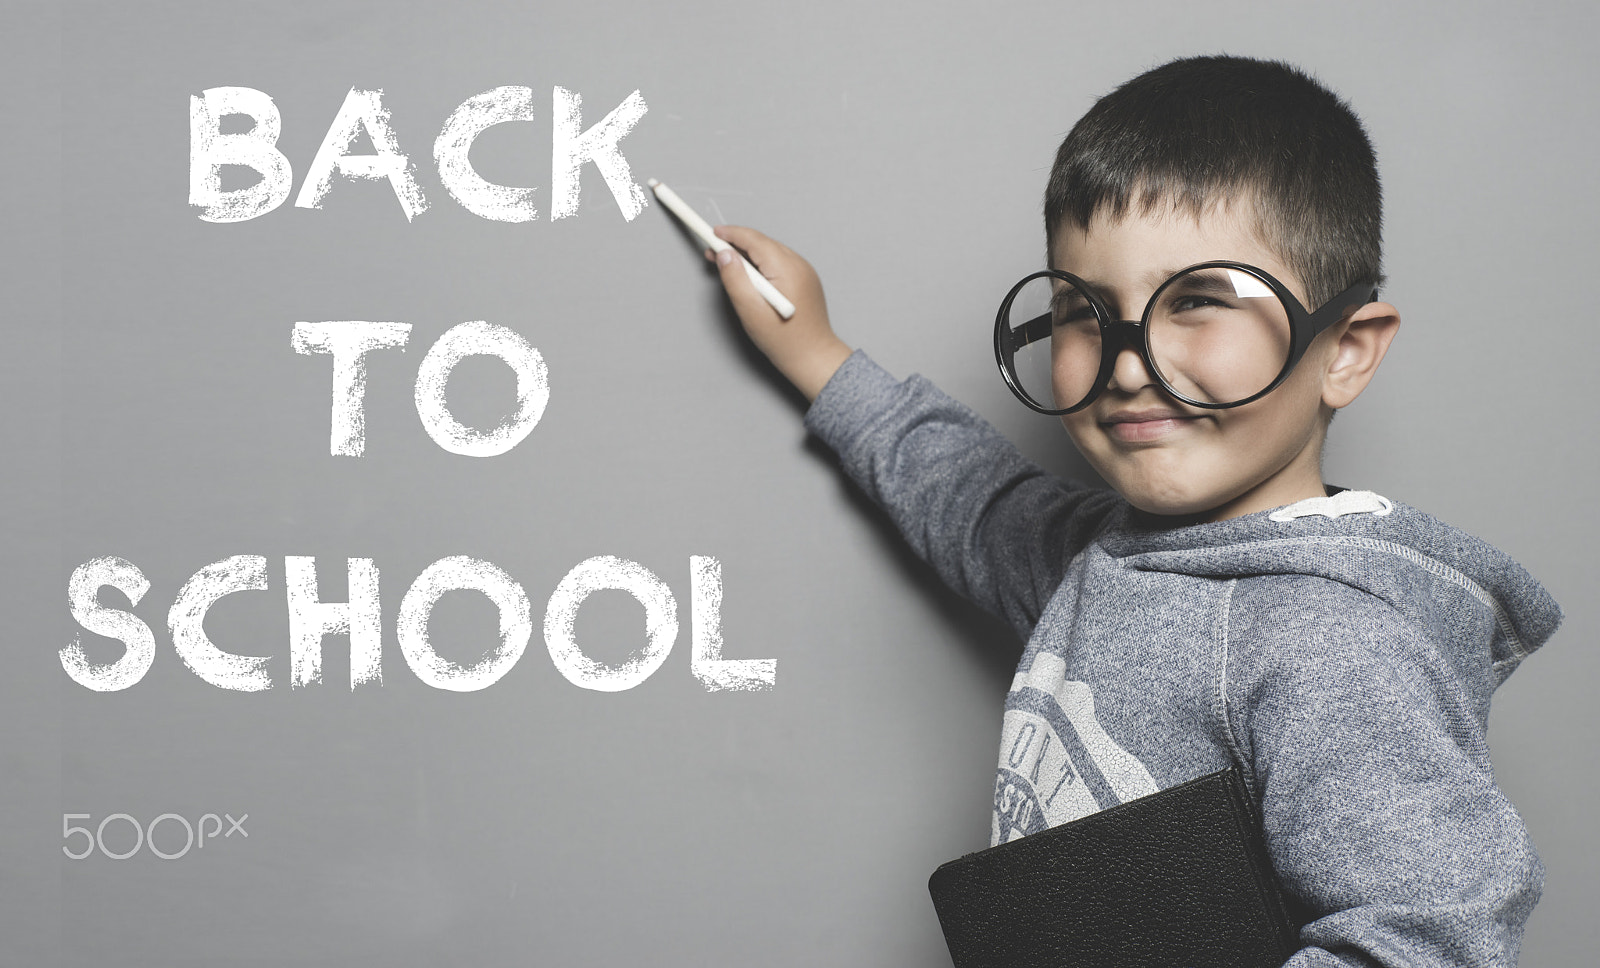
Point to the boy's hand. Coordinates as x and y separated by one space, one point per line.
803 347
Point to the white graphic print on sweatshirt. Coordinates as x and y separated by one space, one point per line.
1056 762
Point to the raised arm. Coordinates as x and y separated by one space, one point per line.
997 529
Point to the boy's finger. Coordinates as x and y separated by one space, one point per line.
747 302
761 250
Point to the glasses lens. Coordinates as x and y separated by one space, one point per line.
1218 335
1053 338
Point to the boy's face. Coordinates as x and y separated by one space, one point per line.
1166 457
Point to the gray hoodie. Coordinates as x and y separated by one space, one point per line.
1342 650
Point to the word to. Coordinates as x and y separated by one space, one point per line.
349 342
146 835
360 618
364 112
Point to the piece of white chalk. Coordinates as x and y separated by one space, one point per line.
702 230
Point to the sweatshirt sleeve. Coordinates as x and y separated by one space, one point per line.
993 525
1379 804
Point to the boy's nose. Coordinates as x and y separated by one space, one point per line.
1129 373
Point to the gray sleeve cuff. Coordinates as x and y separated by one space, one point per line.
853 397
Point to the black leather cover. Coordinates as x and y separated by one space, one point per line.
1177 879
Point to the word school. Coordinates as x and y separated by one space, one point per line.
361 620
363 111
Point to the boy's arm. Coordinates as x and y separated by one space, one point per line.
1378 799
996 528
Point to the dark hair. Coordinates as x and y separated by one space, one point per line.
1203 130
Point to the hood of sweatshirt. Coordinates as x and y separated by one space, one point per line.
1479 607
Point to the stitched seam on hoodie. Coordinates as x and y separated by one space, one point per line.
1432 566
1224 622
1439 569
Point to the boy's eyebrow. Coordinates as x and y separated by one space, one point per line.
1156 277
1151 280
1070 299
1209 281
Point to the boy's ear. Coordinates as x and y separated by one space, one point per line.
1362 340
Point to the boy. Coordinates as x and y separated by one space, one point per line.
1223 606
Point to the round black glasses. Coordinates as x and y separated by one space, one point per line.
1215 335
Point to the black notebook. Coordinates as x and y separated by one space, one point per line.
1177 879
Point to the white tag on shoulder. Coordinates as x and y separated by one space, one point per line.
1345 502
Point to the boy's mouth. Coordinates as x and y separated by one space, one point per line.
1153 423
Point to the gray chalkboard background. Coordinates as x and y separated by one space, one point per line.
156 411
